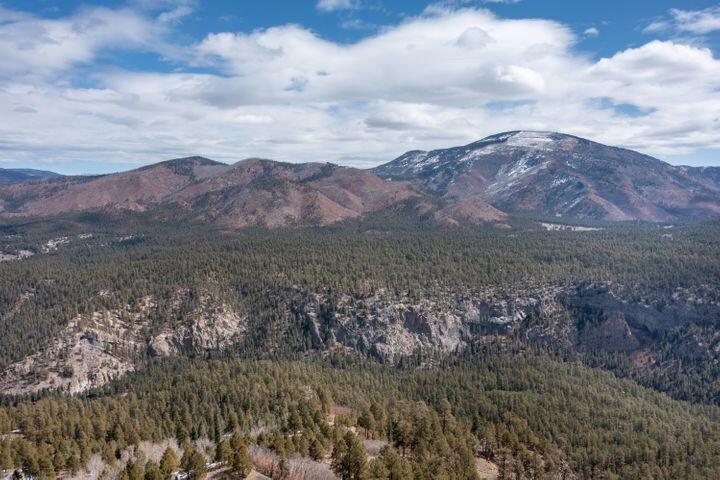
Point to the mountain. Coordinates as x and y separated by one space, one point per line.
275 194
249 193
134 190
17 175
544 173
560 175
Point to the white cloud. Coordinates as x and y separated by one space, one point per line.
591 32
428 59
474 37
334 5
40 46
175 15
698 22
445 78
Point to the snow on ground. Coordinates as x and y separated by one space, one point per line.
563 227
8 257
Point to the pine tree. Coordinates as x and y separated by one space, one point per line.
133 471
194 463
223 451
366 420
241 461
152 471
350 458
317 452
169 463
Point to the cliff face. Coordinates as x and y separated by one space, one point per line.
655 330
96 348
593 317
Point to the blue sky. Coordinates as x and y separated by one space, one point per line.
93 87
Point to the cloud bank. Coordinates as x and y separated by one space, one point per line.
446 77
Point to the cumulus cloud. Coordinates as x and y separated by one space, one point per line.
591 32
444 78
459 57
30 44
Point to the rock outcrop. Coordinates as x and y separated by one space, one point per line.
595 317
94 349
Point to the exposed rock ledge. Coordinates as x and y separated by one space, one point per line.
97 348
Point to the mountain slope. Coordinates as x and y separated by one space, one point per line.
134 190
274 194
249 193
545 173
707 175
560 175
17 175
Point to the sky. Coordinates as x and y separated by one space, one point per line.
97 87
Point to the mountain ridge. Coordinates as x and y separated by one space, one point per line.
18 175
516 172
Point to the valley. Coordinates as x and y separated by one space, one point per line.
464 313
359 240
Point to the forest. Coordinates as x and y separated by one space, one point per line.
534 410
532 414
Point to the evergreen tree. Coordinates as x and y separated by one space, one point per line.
152 471
194 463
223 451
133 471
350 458
169 463
241 461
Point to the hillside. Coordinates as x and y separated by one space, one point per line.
252 192
650 302
487 404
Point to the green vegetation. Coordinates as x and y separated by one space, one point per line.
534 410
532 414
262 272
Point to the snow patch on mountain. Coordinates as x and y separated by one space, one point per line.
559 181
526 165
538 140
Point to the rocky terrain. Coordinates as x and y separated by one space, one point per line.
18 255
95 348
602 317
563 176
596 317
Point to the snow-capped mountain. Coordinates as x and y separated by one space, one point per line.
560 175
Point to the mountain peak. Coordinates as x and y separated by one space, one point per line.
559 175
194 160
191 167
524 139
